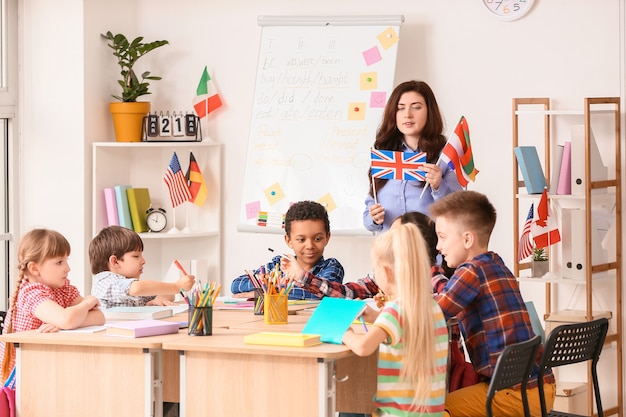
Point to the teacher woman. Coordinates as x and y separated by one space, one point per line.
411 123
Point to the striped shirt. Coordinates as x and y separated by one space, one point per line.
393 396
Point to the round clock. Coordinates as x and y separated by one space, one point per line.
155 219
508 9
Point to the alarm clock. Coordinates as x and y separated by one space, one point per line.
155 219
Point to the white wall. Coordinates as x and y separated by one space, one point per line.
474 62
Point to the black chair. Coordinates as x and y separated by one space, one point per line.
574 343
513 367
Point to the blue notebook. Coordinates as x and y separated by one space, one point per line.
529 164
123 209
332 317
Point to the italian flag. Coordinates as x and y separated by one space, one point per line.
207 99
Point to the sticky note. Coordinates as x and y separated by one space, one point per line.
369 80
378 99
372 56
274 193
328 202
252 209
356 111
388 38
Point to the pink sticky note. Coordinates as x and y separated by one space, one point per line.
378 99
372 55
252 209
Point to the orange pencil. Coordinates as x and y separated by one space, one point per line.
180 267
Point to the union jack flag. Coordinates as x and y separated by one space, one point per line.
395 165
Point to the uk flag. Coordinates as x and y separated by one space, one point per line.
395 165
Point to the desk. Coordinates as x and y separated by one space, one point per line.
84 374
79 374
288 376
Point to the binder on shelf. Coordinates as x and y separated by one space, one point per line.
565 175
123 210
110 205
138 204
598 170
557 156
573 244
528 161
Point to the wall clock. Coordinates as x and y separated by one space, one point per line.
508 9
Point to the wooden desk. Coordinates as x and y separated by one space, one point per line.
251 380
85 374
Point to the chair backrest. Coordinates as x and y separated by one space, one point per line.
574 343
513 367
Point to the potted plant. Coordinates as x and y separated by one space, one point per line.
540 265
128 110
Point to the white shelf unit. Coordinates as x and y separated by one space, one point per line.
537 112
143 165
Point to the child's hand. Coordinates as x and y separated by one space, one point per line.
160 300
290 268
370 315
91 301
380 300
48 328
186 282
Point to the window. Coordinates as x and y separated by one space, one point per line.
8 165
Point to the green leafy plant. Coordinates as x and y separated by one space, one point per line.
539 254
127 54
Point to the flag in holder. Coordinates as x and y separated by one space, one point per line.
176 182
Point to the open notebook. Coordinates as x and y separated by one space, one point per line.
332 317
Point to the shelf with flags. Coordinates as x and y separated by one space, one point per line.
193 228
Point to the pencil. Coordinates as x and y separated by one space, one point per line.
363 321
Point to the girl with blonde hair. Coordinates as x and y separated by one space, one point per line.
44 300
410 331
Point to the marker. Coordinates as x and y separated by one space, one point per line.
180 267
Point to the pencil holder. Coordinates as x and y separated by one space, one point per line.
258 302
276 310
200 321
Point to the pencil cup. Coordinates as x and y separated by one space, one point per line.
200 321
275 309
258 302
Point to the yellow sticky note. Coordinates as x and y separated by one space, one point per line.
369 80
356 111
274 193
388 38
328 202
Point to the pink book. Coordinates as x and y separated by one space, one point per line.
111 207
565 176
141 328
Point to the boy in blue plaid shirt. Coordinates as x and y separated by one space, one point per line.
307 232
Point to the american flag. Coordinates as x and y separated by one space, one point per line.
525 248
395 165
176 182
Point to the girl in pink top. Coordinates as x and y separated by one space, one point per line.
44 300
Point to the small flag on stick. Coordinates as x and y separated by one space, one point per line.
195 180
457 153
176 182
543 229
207 99
525 247
396 165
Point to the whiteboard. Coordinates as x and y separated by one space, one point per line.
321 87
